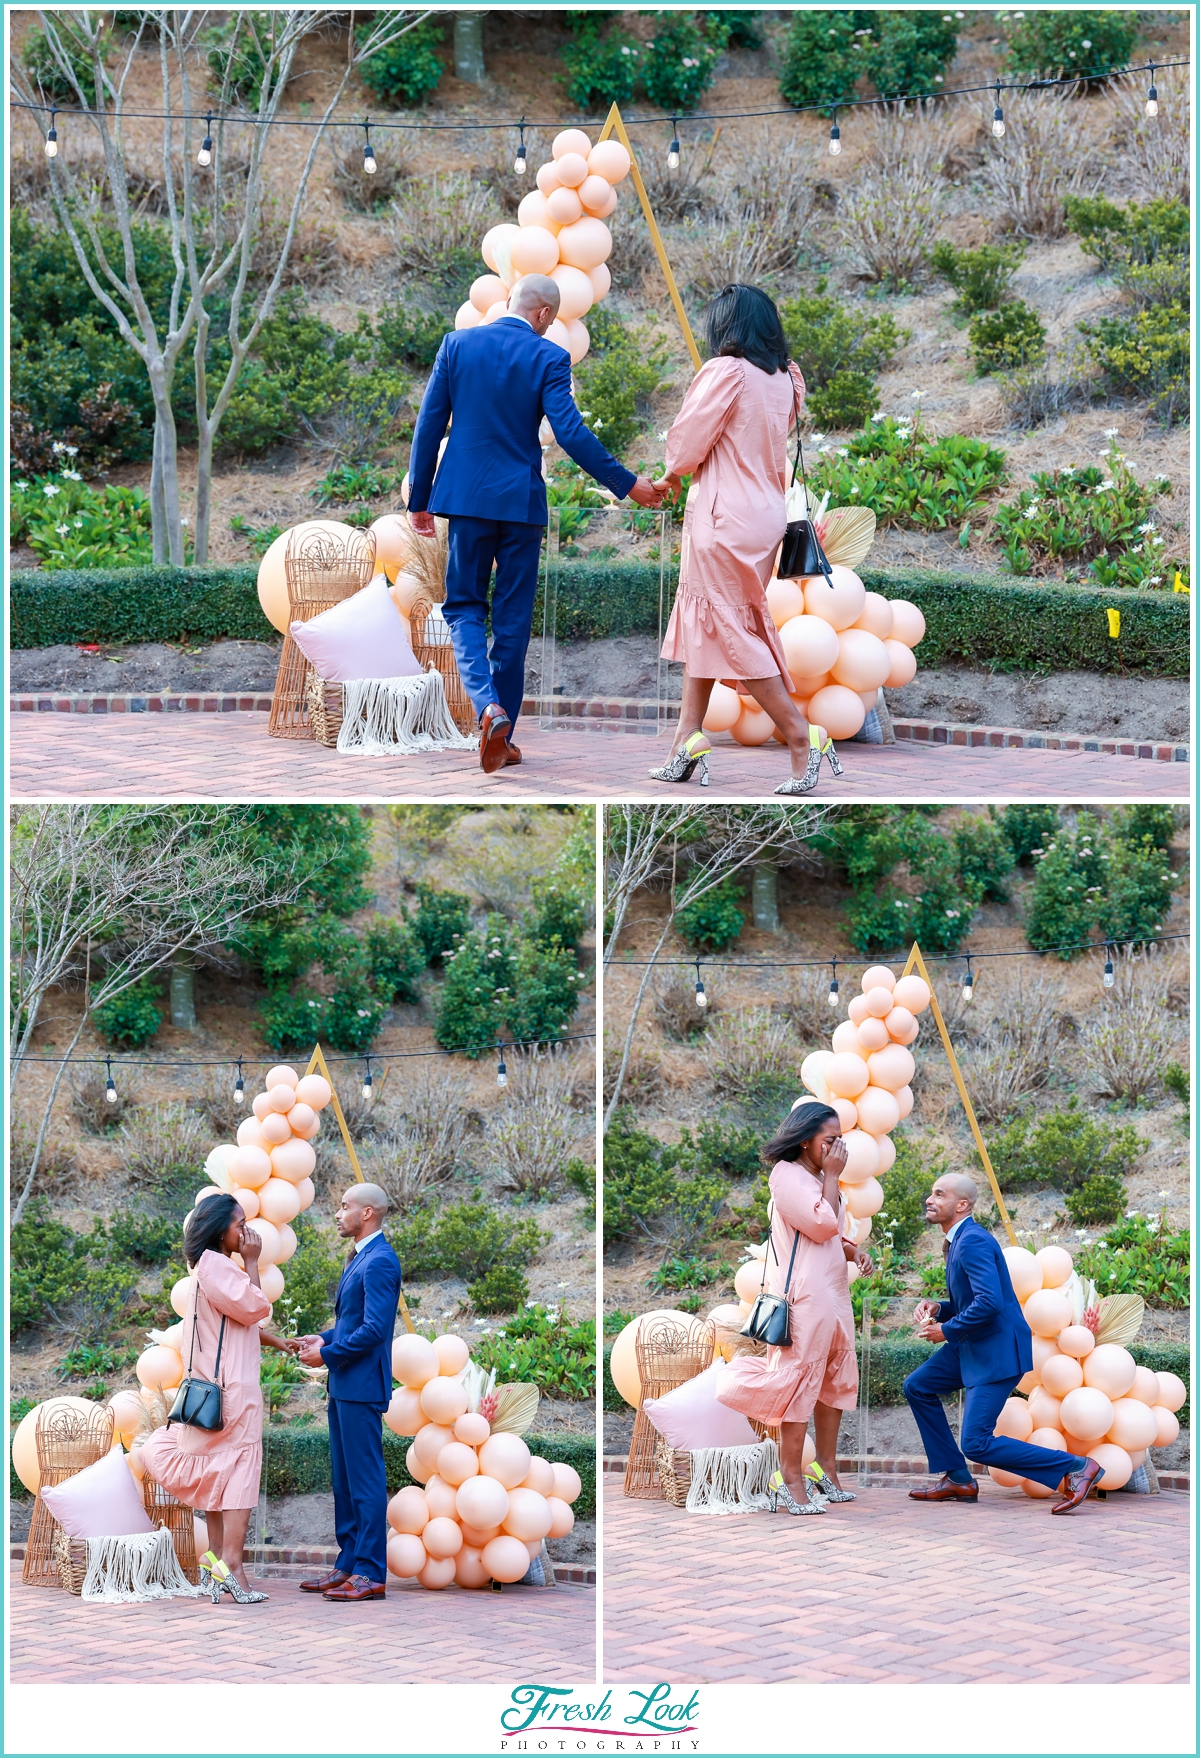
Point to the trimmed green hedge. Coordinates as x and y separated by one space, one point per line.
970 619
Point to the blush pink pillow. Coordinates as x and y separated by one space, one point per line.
363 637
691 1417
101 1501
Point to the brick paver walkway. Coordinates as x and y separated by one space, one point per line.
887 1590
231 757
412 1637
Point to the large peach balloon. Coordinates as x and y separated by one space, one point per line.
268 1233
1110 1368
452 1353
274 1131
1118 1466
466 317
529 1515
610 160
1056 1265
535 249
878 1111
908 625
1024 1270
540 1476
1044 1408
863 1199
24 1441
247 1200
443 1400
872 1034
303 1121
472 1428
847 1075
308 1193
281 1095
892 1067
505 1558
440 1495
414 1466
484 292
1006 1479
567 1482
1038 1491
845 1039
838 710
563 207
496 248
431 1438
392 536
414 1361
576 294
481 1501
251 1133
249 1166
534 211
904 1098
856 1007
405 1555
880 1000
585 244
559 334
1027 1382
913 993
272 581
1044 1348
179 1295
902 1027
260 1105
562 1517
597 196
504 1457
442 1537
785 601
810 644
876 616
1078 1341
572 168
438 1572
1014 1420
752 727
279 1201
1047 1313
128 1410
813 1072
1145 1383
1049 1435
1062 1373
862 1157
271 1281
1166 1429
456 1462
841 604
902 664
887 1153
747 1280
724 707
1172 1393
862 662
578 340
878 976
1134 1424
570 140
547 178
314 1090
1087 1412
159 1367
468 1567
622 1362
404 1414
282 1075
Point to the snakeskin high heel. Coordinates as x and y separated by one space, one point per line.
682 766
225 1581
779 1492
208 1563
819 745
822 1485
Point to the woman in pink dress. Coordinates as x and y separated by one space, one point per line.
818 1371
732 433
219 1471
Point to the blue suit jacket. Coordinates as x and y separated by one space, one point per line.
983 1316
358 1350
497 381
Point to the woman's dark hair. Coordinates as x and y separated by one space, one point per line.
206 1226
745 321
798 1127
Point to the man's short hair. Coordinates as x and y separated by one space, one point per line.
964 1188
534 290
371 1196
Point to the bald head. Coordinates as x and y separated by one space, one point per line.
535 298
361 1211
952 1197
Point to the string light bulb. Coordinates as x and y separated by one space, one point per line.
833 985
501 1070
998 118
1152 95
110 1085
368 1085
673 149
968 989
239 1087
369 165
52 138
1109 977
701 997
522 158
204 156
835 136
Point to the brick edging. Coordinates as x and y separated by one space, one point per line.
921 732
578 1574
900 1466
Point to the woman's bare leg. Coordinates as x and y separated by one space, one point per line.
791 1457
215 1525
770 695
826 1423
235 1523
692 709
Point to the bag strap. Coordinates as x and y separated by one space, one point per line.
787 1285
798 465
195 1327
771 1248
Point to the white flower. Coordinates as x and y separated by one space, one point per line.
22 485
71 451
1136 550
1110 431
879 415
62 529
843 452
58 446
79 524
185 520
72 476
1087 42
50 489
916 396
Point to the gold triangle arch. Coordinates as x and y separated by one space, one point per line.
614 125
917 963
318 1065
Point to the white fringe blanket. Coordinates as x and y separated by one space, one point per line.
731 1480
385 716
129 1571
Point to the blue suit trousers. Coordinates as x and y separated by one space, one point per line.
359 1488
497 675
981 1406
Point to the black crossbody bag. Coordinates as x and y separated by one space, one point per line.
770 1319
801 553
198 1403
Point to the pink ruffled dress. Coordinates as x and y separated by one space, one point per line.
732 432
819 1367
221 1470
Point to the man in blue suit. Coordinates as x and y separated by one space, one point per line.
497 381
987 1348
358 1354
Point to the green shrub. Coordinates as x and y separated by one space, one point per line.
45 71
503 1288
937 912
1138 893
1178 1082
574 496
544 994
1003 340
982 278
466 1240
985 855
1050 45
396 957
1065 1148
1141 1256
67 524
845 401
132 1018
413 336
825 54
638 1187
713 921
1146 356
148 1239
916 1170
740 29
581 1176
689 1272
313 1272
407 70
908 479
1027 828
1101 1199
1130 235
933 1280
234 54
1146 822
678 62
600 69
559 912
1088 880
472 1003
721 1148
441 918
545 1349
831 341
354 482
75 1279
624 369
1101 516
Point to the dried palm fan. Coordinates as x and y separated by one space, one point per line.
424 572
1120 1318
846 534
516 1407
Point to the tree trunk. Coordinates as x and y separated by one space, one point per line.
164 504
764 895
204 461
468 47
183 996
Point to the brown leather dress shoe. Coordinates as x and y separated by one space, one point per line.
1078 1485
946 1491
358 1587
334 1578
494 728
512 755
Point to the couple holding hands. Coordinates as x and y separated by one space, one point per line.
986 1345
496 382
218 1471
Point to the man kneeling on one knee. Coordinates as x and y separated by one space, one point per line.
986 1348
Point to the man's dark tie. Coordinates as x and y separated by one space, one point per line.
945 1248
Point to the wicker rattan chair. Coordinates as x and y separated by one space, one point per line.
321 571
440 654
68 1441
164 1510
668 1354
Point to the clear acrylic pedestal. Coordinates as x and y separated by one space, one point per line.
611 568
